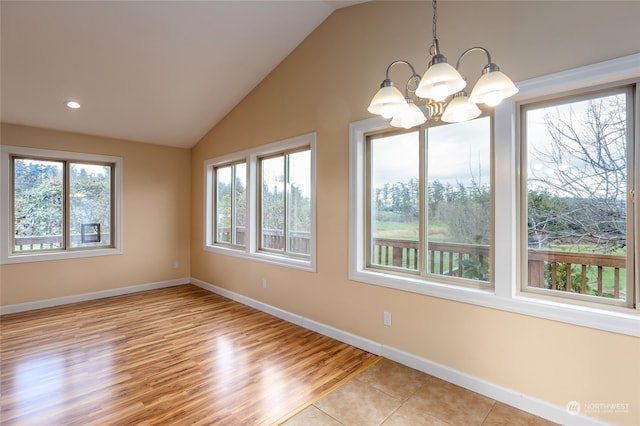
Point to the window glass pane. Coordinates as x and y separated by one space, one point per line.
394 205
272 203
299 203
223 204
240 203
576 196
38 204
459 199
90 205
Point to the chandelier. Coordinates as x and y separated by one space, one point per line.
442 88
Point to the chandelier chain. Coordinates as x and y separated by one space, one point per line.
435 18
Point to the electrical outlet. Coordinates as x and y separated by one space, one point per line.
386 318
176 264
264 283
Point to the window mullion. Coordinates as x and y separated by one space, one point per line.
12 201
112 188
213 191
285 204
66 206
423 201
214 205
232 202
259 204
633 183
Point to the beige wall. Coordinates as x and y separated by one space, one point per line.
156 221
325 84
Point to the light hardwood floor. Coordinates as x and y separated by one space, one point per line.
179 355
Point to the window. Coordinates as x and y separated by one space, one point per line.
510 235
579 179
231 204
285 203
261 204
448 239
59 204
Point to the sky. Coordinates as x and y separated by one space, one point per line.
570 160
299 171
456 153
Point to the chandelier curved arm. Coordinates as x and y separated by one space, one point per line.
471 49
401 61
412 82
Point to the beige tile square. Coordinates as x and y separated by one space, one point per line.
312 416
504 415
393 378
357 403
450 403
410 414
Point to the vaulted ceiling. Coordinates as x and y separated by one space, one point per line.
162 72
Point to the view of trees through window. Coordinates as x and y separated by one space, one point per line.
577 195
286 202
231 204
457 215
40 201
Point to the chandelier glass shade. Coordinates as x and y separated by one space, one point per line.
409 117
441 87
460 109
439 81
492 87
388 101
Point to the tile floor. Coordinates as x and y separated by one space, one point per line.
389 394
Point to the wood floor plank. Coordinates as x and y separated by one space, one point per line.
179 355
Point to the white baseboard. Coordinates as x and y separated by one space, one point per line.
507 396
47 303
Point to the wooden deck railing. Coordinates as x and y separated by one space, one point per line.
555 270
299 242
44 243
398 253
49 242
562 267
444 258
450 258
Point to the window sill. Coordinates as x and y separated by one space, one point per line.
613 319
289 262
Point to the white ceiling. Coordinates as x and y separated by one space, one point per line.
162 72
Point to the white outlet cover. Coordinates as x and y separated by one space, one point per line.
387 318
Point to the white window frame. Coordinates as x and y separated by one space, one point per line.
506 294
251 249
7 256
579 96
423 273
214 206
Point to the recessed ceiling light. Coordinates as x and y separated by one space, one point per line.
72 104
